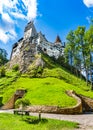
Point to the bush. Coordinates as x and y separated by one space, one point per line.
56 73
15 67
35 71
2 71
24 102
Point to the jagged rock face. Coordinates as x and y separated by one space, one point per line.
36 68
39 62
25 56
29 52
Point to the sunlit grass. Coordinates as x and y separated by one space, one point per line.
17 122
49 89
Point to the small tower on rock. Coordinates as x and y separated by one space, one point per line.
30 30
58 40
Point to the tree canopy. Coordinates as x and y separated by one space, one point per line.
79 50
3 56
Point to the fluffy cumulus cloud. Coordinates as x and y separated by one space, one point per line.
88 3
12 11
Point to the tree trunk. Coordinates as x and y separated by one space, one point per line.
91 79
80 73
86 77
91 86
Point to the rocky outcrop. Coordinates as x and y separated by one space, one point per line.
24 56
24 51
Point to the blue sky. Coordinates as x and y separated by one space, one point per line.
51 17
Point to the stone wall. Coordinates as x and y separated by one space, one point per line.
87 103
58 110
84 104
11 103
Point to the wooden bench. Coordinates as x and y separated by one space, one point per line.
22 112
26 112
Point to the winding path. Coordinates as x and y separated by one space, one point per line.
85 120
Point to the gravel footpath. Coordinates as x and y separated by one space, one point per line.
85 120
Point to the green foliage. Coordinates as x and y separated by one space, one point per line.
75 46
89 52
70 47
56 73
24 102
2 71
35 71
3 57
79 50
15 67
49 62
16 122
36 68
5 82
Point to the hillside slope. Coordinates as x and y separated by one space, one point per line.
48 89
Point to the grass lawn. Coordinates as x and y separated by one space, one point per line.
45 91
17 122
49 89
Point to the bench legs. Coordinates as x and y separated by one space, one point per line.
21 112
27 113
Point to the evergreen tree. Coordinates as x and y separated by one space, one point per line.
80 60
78 49
70 48
89 46
3 57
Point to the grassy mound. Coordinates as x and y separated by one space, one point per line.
48 89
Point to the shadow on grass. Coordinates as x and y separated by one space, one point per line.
1 104
30 120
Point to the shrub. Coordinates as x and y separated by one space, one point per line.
32 71
2 71
35 71
24 102
55 72
15 67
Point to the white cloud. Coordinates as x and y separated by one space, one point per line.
13 10
7 34
7 18
88 3
3 37
89 18
18 15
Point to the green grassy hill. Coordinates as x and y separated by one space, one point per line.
48 89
